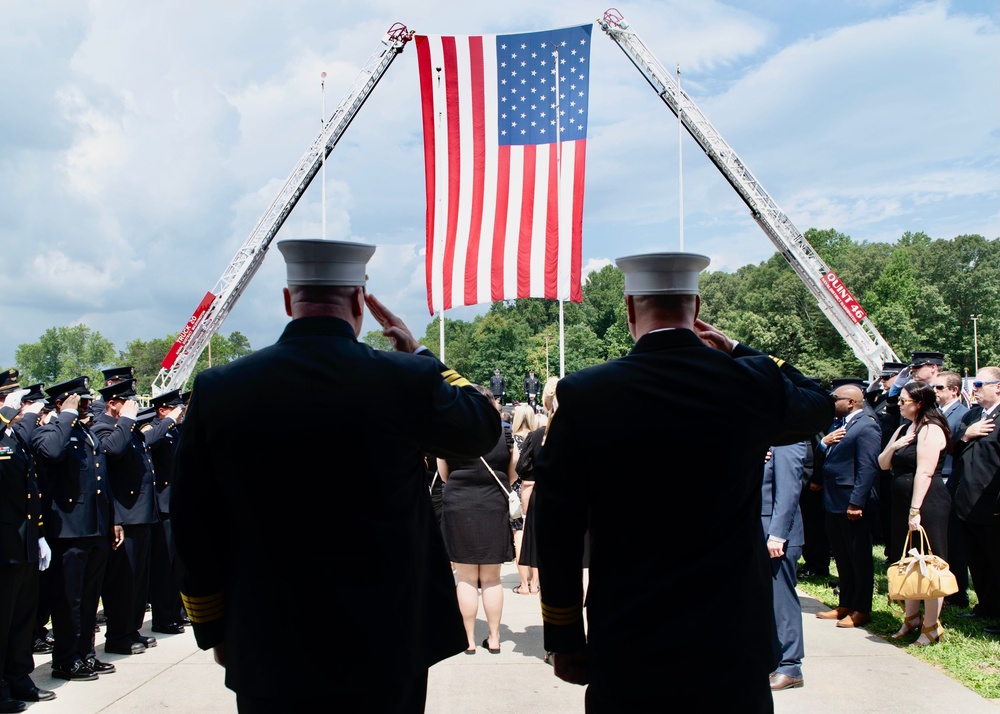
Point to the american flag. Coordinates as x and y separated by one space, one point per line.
967 390
505 138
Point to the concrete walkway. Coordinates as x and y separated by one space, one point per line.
846 672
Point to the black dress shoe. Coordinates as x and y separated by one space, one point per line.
184 620
78 672
99 666
125 648
32 694
169 629
101 617
143 640
992 630
11 705
42 647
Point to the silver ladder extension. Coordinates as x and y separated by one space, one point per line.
834 299
208 317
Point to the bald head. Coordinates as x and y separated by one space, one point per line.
654 312
347 303
849 399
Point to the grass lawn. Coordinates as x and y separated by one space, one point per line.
965 653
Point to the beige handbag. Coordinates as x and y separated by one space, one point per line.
919 574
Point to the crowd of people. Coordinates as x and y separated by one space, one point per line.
84 497
188 506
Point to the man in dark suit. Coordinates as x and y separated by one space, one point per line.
23 552
670 533
260 514
850 468
80 526
976 466
781 521
948 386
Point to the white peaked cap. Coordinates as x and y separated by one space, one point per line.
326 262
662 273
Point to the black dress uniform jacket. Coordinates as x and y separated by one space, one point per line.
679 591
130 468
317 511
20 502
73 478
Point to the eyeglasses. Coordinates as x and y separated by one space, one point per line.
940 387
979 385
906 401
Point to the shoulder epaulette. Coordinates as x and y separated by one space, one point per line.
454 378
777 360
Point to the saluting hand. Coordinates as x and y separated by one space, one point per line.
714 337
392 327
129 409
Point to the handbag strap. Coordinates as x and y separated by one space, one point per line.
925 543
433 481
499 482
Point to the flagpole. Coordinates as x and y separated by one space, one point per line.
322 121
562 332
680 155
441 333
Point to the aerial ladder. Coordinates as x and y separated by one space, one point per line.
834 299
179 364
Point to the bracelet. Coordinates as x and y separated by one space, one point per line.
914 511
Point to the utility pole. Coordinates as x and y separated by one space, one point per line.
975 338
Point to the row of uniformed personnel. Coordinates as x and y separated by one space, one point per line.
79 482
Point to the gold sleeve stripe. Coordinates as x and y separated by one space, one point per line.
204 609
4 419
455 379
562 616
777 360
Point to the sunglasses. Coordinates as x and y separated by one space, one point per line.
940 387
906 401
979 385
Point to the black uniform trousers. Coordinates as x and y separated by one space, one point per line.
816 551
18 599
126 585
982 550
44 610
164 580
391 697
629 690
78 566
851 542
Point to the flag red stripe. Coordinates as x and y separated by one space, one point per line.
551 263
527 218
576 250
427 111
454 163
500 222
478 170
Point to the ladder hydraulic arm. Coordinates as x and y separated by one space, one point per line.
208 317
834 299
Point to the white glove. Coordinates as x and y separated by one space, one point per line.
44 554
13 399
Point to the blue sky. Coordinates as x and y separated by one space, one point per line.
141 142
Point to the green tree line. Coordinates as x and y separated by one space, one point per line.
64 353
921 294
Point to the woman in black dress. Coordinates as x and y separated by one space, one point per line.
919 497
475 522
